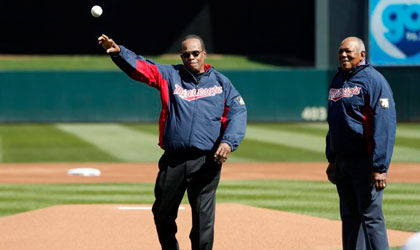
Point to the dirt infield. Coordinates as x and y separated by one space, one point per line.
115 227
146 172
128 227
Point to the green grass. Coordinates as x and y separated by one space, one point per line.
409 135
56 62
255 151
137 142
401 200
45 143
287 142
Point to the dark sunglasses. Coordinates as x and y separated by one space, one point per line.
195 53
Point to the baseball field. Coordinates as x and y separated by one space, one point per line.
275 184
273 193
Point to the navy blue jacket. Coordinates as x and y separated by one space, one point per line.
197 112
361 117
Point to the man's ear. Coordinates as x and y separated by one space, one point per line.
363 53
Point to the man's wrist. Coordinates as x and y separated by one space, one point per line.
228 143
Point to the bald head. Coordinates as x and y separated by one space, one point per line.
359 42
351 53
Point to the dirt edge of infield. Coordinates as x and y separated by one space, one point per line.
146 172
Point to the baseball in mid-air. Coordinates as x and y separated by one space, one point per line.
96 11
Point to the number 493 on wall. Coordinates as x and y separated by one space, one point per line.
314 114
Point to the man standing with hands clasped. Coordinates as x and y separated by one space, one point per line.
360 141
203 119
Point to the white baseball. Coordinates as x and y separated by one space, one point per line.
96 11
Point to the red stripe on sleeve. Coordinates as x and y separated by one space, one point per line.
147 73
164 98
224 118
368 125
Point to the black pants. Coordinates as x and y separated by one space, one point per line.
363 223
198 174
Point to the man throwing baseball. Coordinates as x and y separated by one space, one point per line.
203 119
360 141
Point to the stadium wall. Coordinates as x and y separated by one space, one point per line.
113 97
275 95
405 85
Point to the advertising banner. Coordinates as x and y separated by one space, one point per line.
394 32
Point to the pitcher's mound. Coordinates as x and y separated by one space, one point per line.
130 227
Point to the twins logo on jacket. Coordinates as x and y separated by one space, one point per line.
348 92
194 94
337 94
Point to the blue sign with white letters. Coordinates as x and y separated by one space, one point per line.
394 32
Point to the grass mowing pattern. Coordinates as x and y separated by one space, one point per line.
258 151
311 136
286 142
21 198
121 142
311 198
401 200
45 143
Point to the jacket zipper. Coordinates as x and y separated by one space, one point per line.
193 114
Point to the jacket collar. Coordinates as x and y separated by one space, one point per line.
207 69
354 70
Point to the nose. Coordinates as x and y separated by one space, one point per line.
342 55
